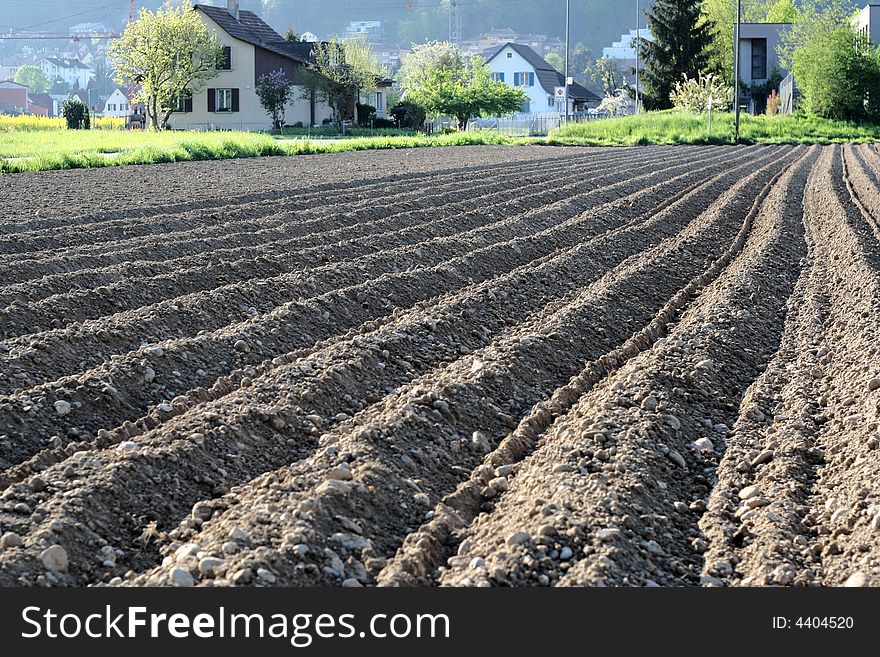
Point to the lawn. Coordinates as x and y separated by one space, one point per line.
28 144
680 128
42 149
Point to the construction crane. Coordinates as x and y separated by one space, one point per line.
57 36
454 23
67 36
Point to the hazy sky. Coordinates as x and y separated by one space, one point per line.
595 22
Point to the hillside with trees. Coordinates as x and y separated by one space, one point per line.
595 23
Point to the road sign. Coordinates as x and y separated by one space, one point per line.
559 92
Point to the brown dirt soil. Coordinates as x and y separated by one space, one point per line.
445 367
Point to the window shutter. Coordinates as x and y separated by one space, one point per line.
531 79
188 104
227 58
516 79
212 100
501 76
235 100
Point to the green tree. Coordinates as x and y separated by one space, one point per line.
466 94
423 25
33 78
342 70
291 36
836 69
274 90
408 115
682 37
781 11
168 53
75 113
608 75
426 57
580 62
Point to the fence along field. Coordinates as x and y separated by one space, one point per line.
667 375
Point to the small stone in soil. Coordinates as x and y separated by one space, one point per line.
518 538
9 540
54 559
181 577
608 534
857 579
748 491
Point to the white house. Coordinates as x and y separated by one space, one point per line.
71 71
116 105
252 49
624 51
309 37
371 30
8 71
519 66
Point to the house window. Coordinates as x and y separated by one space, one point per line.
379 100
526 107
224 100
498 77
111 107
226 59
551 101
759 59
524 79
123 107
510 55
183 103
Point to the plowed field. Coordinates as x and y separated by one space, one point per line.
454 367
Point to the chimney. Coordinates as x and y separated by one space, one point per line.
232 8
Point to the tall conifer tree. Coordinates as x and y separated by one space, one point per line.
680 48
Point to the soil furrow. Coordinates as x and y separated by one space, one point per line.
229 443
205 239
268 259
409 449
185 369
257 206
481 366
91 278
614 490
287 177
806 443
24 364
427 549
241 218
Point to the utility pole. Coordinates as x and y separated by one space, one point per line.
638 47
132 88
736 73
567 33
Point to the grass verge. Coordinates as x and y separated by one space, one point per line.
679 128
73 149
